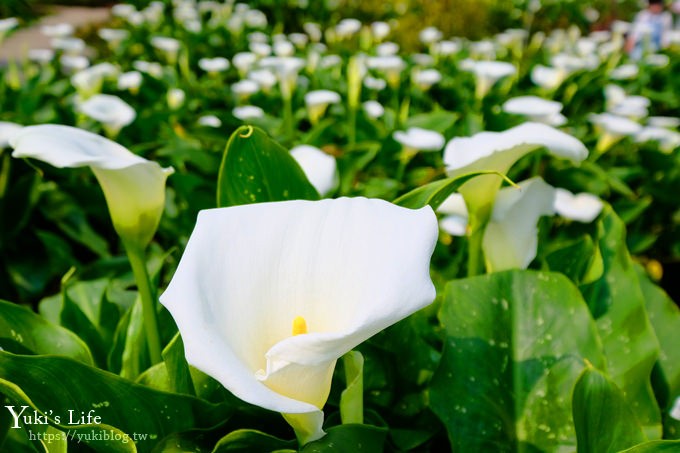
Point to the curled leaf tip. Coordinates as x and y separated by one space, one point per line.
248 132
588 364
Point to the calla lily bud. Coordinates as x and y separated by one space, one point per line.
134 187
268 296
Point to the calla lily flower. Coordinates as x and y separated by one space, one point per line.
612 129
536 109
416 139
113 112
317 102
511 237
487 73
7 131
320 168
247 112
498 151
268 296
583 207
134 187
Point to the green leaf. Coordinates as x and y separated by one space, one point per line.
514 347
436 192
250 440
256 169
21 325
665 318
352 398
346 438
439 120
603 419
177 367
129 355
618 306
124 407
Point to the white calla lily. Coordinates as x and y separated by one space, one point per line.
511 237
320 168
7 131
498 151
111 111
268 296
134 187
583 207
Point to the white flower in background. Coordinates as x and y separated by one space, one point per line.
6 25
613 128
600 36
72 63
380 30
422 59
487 73
286 70
667 139
113 36
41 56
300 40
130 81
498 151
387 49
61 30
390 66
547 77
320 168
456 215
245 88
430 35
243 61
416 139
169 47
375 83
111 111
373 109
123 10
300 284
583 207
347 28
446 48
213 66
134 187
668 122
586 46
656 60
255 18
210 121
175 98
7 131
483 50
247 112
613 95
330 61
69 45
284 48
536 109
260 49
265 78
154 69
313 30
634 107
89 81
426 78
625 72
317 102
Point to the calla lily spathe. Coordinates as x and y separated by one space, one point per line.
133 186
268 296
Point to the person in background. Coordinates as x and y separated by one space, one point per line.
649 32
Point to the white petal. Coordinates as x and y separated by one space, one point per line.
511 238
320 168
71 147
350 267
455 225
584 207
7 131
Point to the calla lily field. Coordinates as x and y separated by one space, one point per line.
283 226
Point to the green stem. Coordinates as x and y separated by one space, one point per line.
352 129
288 117
475 256
141 274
